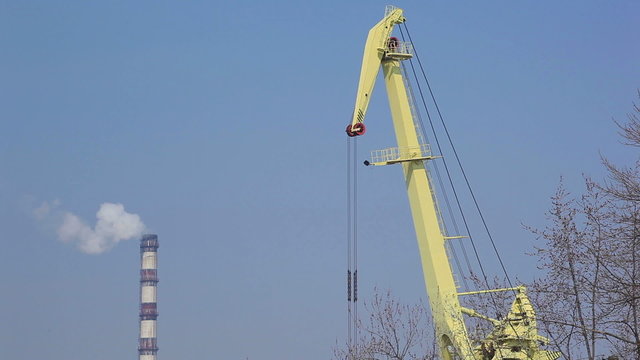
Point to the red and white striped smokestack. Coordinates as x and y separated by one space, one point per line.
147 344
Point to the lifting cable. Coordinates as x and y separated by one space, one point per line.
459 163
422 136
422 133
352 246
468 184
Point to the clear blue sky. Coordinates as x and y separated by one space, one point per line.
221 125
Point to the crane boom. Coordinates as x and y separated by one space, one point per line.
374 53
515 337
438 277
381 52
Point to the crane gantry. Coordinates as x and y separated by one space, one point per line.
515 337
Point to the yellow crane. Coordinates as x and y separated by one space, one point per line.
515 337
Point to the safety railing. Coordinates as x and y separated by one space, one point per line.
389 9
399 47
400 153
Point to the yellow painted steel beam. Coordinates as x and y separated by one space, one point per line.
474 313
519 289
441 288
374 53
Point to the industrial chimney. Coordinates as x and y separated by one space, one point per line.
147 343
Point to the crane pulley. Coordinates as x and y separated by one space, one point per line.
514 337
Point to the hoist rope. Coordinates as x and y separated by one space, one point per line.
352 246
459 162
466 179
355 243
349 167
424 137
442 187
440 183
448 173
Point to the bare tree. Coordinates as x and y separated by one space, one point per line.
392 330
631 130
621 265
589 299
568 298
624 182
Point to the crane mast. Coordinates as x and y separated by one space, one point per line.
438 277
517 333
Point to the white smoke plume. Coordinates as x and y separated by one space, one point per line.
113 225
45 209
